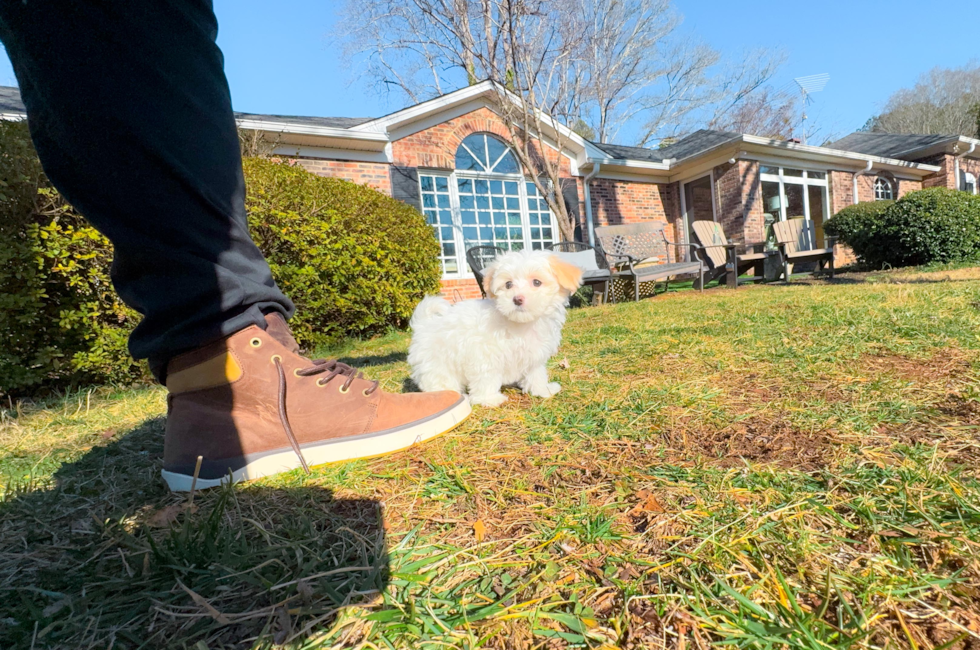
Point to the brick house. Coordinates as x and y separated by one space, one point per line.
449 158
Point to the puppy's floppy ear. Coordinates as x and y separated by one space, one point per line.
488 274
568 275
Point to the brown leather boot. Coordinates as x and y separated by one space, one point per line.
250 405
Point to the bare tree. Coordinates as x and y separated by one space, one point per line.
942 101
598 64
768 112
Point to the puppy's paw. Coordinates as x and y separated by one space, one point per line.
488 400
549 390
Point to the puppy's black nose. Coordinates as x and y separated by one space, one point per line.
518 300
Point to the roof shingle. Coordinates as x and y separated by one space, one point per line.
888 145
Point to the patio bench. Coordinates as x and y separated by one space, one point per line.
640 251
797 243
595 267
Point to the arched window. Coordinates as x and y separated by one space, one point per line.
480 152
969 183
485 201
883 189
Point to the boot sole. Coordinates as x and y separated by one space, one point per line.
337 451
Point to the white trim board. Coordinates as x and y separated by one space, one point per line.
325 153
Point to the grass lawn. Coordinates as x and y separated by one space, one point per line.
779 466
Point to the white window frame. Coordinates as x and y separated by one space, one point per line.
803 180
968 179
453 177
887 183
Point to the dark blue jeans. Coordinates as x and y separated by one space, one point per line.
130 112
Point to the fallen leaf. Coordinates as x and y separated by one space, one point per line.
480 530
564 363
164 517
109 433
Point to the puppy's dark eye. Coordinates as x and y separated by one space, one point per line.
537 283
508 285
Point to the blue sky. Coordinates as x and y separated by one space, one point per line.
280 57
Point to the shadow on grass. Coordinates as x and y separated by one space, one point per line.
107 557
375 360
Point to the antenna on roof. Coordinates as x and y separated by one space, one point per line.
813 83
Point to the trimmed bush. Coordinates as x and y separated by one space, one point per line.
354 260
859 226
932 225
60 320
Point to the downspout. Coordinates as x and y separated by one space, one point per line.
956 164
588 203
860 173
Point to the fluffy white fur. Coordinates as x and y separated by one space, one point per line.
479 346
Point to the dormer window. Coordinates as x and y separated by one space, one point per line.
883 189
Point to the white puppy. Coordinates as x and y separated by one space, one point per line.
478 346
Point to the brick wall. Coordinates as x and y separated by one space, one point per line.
619 202
375 175
841 191
466 289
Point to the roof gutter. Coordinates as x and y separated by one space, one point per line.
956 164
860 173
588 203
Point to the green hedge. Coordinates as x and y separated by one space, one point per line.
60 320
859 226
932 225
354 260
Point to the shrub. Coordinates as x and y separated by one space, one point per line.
60 320
859 227
355 261
932 225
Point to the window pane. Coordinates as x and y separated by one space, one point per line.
817 197
496 187
793 172
507 165
794 201
495 149
818 175
465 161
770 202
435 192
510 188
766 169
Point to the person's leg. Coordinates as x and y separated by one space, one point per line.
131 116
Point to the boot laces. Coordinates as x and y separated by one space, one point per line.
333 369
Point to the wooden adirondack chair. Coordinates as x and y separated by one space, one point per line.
639 251
721 258
797 242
